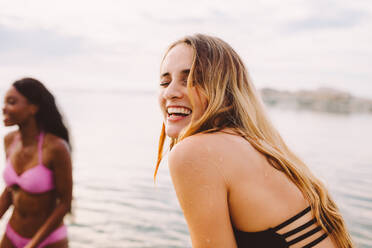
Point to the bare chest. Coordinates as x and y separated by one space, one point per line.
25 158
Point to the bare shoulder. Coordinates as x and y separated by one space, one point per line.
198 156
220 154
55 144
194 148
9 137
212 145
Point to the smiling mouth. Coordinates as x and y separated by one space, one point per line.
178 111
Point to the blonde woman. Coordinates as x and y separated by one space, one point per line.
237 182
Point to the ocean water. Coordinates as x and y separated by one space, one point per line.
117 204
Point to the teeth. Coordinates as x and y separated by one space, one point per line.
178 110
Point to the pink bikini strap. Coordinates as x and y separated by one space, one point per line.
12 146
40 146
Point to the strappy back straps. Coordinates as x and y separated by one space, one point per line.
40 147
300 228
294 218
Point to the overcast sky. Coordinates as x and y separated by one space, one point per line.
113 44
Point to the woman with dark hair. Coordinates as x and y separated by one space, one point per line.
238 183
38 171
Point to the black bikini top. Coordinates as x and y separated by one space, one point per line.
270 238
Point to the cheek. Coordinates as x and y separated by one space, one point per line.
201 104
161 101
200 110
20 111
12 109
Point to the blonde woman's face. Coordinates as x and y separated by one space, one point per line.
174 98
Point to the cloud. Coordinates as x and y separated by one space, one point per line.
32 44
114 44
211 15
345 19
329 14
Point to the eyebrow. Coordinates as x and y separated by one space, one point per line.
185 71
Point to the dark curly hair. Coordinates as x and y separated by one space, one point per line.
48 117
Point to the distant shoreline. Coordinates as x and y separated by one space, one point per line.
322 100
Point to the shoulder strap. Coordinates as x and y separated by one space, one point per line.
40 147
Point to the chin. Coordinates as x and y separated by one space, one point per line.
173 132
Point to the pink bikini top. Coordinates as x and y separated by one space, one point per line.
38 179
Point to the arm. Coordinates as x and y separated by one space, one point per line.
6 196
203 194
63 181
5 201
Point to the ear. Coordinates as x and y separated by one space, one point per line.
34 109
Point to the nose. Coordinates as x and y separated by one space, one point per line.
173 91
5 108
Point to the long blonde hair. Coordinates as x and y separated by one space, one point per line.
220 75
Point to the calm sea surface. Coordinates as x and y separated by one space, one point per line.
116 203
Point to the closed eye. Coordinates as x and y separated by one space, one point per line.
10 100
164 84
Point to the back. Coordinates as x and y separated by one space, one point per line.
206 168
261 197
